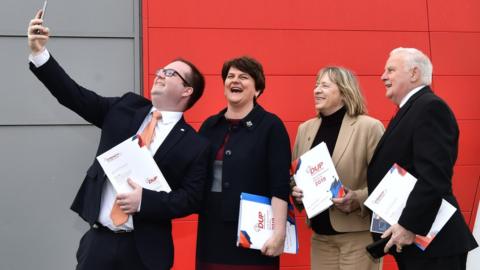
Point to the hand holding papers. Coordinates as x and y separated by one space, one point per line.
315 174
129 160
390 197
255 224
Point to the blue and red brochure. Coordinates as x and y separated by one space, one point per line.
256 223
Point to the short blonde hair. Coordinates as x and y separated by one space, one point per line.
349 88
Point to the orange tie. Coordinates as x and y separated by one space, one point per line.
149 131
117 215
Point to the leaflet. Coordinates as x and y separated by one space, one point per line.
445 212
256 222
314 172
129 160
389 198
378 225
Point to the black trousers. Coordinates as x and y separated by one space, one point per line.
102 249
457 262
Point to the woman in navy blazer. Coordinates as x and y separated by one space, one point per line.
250 153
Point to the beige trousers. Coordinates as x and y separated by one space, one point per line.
342 252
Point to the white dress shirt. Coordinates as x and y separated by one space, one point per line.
162 129
409 95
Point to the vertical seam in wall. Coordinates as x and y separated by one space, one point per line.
429 32
138 33
146 45
473 215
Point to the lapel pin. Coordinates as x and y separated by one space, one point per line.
249 124
183 130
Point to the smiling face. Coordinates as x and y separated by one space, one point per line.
170 93
239 88
327 96
398 78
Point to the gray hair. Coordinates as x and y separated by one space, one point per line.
415 58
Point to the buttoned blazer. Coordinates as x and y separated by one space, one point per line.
256 160
182 158
356 141
423 139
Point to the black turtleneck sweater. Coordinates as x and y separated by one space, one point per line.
328 133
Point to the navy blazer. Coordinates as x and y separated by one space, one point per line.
423 139
182 158
256 160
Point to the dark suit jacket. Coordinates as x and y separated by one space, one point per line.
257 158
182 158
423 139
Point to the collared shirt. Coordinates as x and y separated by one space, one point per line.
409 95
162 129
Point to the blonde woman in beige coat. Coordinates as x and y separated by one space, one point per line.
341 234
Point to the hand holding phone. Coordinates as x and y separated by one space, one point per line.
376 248
37 34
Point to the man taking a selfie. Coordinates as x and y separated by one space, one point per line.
132 230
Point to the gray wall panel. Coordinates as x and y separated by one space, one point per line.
45 149
40 177
101 64
105 18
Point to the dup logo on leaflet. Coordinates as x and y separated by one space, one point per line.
261 222
313 170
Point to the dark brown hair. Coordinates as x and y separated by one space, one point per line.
247 65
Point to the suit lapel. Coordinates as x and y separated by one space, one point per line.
138 118
400 114
178 131
344 135
310 134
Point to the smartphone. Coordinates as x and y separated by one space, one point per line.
42 15
44 8
376 248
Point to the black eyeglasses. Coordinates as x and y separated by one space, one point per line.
170 72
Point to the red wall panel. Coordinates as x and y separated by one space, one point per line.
469 145
389 263
455 53
461 15
465 181
185 237
293 40
292 128
305 14
461 93
282 52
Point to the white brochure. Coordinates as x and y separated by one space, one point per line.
129 160
255 223
315 174
389 198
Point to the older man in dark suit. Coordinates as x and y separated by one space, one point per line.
132 230
423 139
